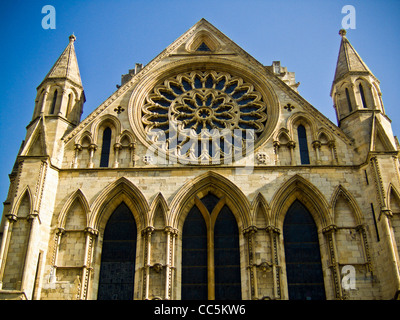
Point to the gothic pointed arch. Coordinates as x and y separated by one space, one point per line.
298 188
55 93
72 223
344 99
259 206
209 217
282 136
158 210
104 121
365 93
324 135
303 265
394 206
85 139
36 143
302 118
380 140
12 273
350 234
199 187
25 200
393 198
121 190
203 41
118 256
341 192
125 135
77 197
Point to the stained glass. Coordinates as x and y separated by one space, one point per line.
105 148
227 257
118 256
203 47
194 257
302 255
304 157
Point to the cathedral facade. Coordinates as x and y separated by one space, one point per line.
205 175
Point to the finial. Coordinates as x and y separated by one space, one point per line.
342 32
72 38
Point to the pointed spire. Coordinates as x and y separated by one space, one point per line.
66 67
348 60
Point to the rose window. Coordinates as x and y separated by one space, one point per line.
205 115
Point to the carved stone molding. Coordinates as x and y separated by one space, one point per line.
264 266
203 114
157 267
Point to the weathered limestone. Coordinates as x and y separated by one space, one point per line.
65 187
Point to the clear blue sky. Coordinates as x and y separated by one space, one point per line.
114 35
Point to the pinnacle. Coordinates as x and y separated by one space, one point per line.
72 38
342 32
348 59
66 67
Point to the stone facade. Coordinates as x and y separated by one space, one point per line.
65 187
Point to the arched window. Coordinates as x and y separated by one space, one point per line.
105 148
226 256
194 257
53 103
302 255
68 105
210 252
348 100
118 255
303 146
364 102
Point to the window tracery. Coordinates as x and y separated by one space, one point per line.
204 115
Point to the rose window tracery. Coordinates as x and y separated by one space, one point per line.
204 114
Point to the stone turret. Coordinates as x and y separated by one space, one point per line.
357 100
58 107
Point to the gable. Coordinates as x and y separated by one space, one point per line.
190 72
36 145
380 140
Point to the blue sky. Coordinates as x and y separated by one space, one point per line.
114 35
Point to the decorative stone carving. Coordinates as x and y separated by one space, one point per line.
204 114
262 158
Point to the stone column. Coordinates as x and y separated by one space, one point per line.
317 146
117 147
361 229
92 149
329 233
60 232
146 235
31 247
385 217
8 224
45 95
332 146
132 148
249 234
64 96
291 145
276 145
87 262
276 268
78 148
170 254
